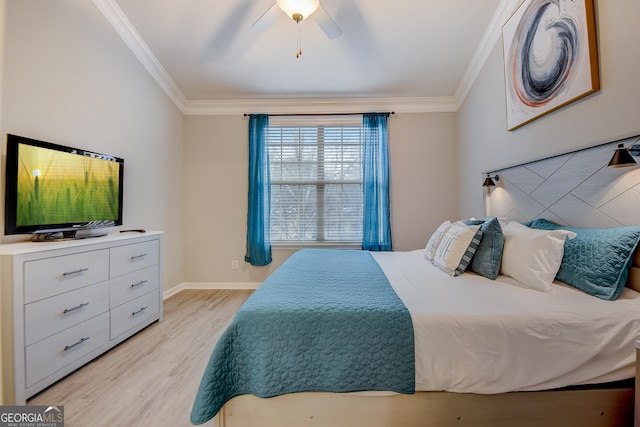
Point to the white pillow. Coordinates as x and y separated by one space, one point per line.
435 239
533 256
457 247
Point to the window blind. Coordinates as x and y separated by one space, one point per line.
316 183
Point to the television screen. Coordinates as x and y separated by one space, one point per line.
52 188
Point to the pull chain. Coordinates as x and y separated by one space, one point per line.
298 18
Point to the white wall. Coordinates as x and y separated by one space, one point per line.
3 14
215 201
611 113
68 78
422 151
424 177
3 7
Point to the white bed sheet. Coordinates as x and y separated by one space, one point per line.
475 335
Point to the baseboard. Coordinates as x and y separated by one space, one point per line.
172 291
206 285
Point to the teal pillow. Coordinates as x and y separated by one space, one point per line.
488 256
597 260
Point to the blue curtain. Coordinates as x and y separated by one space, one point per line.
258 225
376 227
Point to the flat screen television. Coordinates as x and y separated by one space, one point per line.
54 191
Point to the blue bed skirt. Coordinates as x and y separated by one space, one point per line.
326 320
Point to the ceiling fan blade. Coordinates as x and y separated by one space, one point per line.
327 24
267 20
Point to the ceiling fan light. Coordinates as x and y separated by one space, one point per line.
301 7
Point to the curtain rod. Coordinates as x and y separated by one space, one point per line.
392 113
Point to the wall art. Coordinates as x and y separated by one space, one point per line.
550 57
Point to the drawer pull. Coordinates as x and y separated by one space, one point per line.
133 258
139 311
77 307
69 347
142 282
71 273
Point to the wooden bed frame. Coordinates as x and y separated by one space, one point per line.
610 405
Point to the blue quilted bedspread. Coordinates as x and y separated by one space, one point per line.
326 320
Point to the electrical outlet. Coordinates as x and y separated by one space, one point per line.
234 264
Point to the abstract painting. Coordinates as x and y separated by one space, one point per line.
550 57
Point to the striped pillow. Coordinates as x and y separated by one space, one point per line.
434 240
457 247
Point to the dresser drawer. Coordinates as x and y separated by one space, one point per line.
52 276
129 286
49 355
52 315
128 258
134 312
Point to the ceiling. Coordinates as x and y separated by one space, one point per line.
205 51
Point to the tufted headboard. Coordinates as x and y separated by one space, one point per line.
575 188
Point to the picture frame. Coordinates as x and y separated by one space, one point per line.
550 57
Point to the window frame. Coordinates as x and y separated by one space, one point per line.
316 121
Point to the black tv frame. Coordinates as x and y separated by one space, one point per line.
43 232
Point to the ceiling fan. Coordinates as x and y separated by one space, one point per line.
299 10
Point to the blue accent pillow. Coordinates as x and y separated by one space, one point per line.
488 256
597 260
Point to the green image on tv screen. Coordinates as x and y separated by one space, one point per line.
55 187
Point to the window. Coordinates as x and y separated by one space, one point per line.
316 182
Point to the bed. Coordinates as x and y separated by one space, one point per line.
521 340
407 341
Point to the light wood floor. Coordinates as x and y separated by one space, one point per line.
150 379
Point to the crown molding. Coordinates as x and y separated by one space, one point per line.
491 36
320 105
130 36
134 41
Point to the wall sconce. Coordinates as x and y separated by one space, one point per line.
488 181
622 156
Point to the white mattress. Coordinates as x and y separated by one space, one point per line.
475 335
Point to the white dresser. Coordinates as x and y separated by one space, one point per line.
64 303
